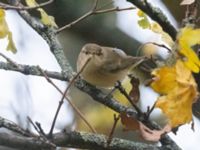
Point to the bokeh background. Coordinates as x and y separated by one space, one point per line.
23 96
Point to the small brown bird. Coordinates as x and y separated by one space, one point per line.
106 66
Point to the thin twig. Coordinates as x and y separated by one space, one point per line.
9 60
150 110
154 43
95 5
34 126
4 123
122 90
93 12
40 132
110 136
113 9
40 128
7 6
75 108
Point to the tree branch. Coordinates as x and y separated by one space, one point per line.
76 140
32 70
157 15
7 6
93 12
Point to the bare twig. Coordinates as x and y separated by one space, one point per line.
40 128
4 123
154 43
110 136
7 6
75 108
34 126
9 60
149 111
40 131
122 90
93 12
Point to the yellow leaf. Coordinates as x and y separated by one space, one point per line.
4 32
140 13
179 99
155 27
46 19
31 3
143 22
187 38
11 45
3 25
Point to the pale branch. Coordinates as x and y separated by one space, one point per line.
76 140
98 142
93 12
67 139
16 141
7 6
32 70
157 15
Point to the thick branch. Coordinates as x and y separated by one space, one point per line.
98 142
75 140
15 141
157 15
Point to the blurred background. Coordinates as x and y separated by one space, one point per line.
31 96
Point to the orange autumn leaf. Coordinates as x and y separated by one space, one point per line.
177 102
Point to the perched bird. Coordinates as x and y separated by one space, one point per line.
106 66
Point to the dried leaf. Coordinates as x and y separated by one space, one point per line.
129 122
187 2
153 135
135 92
